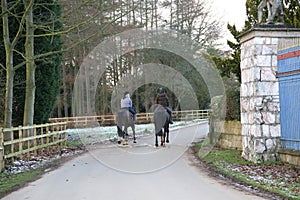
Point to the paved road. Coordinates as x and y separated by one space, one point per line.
139 171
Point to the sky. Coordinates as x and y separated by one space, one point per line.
232 12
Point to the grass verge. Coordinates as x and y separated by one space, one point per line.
276 178
10 182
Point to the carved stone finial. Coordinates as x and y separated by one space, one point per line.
274 7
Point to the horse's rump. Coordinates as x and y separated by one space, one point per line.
125 120
161 117
123 117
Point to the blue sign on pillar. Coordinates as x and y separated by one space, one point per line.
289 93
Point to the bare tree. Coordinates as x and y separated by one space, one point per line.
9 45
193 18
30 65
26 23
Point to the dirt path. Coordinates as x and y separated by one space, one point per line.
138 171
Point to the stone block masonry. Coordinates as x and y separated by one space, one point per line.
260 108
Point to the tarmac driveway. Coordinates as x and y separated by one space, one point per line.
138 171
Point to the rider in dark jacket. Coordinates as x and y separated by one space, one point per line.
162 99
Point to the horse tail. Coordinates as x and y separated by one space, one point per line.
160 119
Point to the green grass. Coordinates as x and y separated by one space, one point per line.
219 159
74 143
10 182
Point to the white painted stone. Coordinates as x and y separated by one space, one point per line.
275 130
243 57
267 74
252 62
252 50
276 99
268 118
246 130
273 106
245 75
258 101
251 89
251 105
258 118
244 118
270 144
274 62
244 65
262 40
245 142
277 117
244 105
264 60
258 50
251 118
259 146
256 130
268 50
244 90
266 88
266 130
274 41
256 74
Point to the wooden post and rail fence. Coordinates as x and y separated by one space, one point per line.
25 141
142 118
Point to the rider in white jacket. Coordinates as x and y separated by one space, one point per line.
127 103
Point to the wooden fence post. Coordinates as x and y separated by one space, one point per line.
1 151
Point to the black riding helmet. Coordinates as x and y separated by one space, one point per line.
160 90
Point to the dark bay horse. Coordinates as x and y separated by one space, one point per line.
125 120
161 123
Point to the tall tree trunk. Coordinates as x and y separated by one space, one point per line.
133 13
9 90
65 93
9 68
171 14
30 65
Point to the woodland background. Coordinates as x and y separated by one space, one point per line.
43 43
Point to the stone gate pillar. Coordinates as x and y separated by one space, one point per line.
260 110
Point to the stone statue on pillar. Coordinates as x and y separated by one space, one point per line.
275 9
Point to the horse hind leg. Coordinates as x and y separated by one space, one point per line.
133 132
162 141
166 132
167 137
156 140
120 134
162 138
125 136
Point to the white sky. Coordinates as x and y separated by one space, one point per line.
232 12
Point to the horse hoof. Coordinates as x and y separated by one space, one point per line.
134 141
161 144
167 141
156 145
119 142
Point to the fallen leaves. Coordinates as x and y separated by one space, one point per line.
281 176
